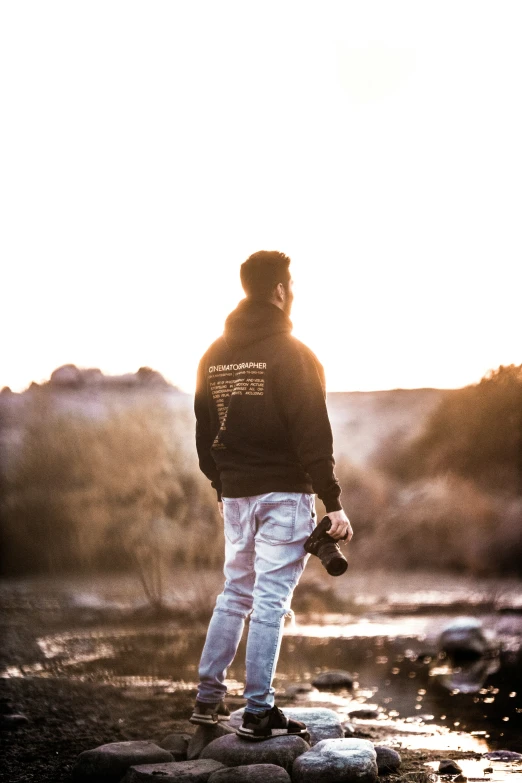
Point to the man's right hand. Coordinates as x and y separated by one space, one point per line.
340 525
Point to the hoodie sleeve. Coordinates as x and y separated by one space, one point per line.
204 435
301 392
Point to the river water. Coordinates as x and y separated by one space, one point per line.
419 698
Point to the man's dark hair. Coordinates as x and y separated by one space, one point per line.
262 271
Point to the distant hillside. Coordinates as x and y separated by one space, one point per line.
362 421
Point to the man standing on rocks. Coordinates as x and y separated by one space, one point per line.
264 440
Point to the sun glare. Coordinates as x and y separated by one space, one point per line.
148 150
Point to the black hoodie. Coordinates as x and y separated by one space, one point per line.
261 418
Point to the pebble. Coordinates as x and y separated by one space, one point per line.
299 689
449 767
333 680
364 714
388 760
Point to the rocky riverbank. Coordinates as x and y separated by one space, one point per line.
79 674
66 718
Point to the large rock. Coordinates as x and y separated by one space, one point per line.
253 773
108 763
337 761
232 751
334 680
320 722
203 736
464 638
388 760
186 771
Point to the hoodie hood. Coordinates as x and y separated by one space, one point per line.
254 320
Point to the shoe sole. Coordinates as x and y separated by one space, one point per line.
206 720
251 737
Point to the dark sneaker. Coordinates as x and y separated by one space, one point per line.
271 723
207 714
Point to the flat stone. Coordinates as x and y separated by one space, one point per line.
299 689
108 763
333 680
503 755
232 751
253 773
337 761
197 771
204 735
388 760
362 714
449 767
177 745
320 722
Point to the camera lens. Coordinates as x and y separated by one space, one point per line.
332 559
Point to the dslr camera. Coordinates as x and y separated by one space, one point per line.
323 546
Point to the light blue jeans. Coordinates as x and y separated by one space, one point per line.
264 559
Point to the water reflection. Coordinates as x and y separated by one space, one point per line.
423 701
487 770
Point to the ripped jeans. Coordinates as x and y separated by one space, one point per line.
264 560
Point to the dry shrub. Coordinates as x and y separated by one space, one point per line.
99 491
476 432
441 523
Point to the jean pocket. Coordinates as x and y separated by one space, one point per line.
276 521
233 529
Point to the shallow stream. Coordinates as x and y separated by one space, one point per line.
419 699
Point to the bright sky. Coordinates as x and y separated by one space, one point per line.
147 148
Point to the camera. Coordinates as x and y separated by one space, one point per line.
323 546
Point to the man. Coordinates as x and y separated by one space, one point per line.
264 441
